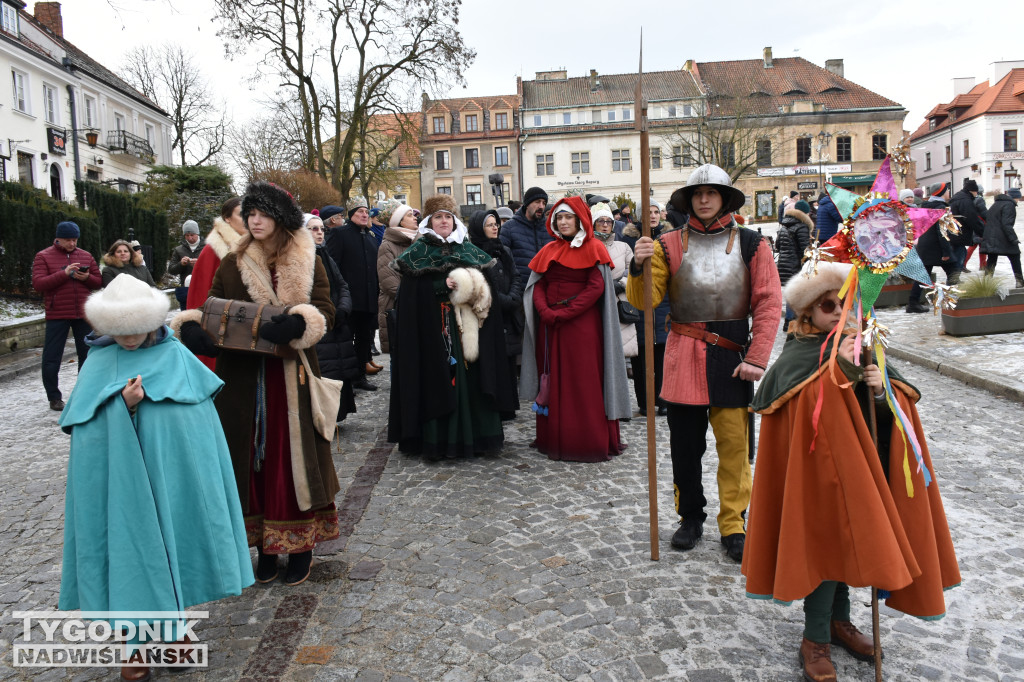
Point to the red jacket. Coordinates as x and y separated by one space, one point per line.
63 296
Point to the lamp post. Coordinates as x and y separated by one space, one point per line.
823 140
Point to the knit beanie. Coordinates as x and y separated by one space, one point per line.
907 196
802 206
600 210
533 194
68 230
190 227
398 214
971 185
937 189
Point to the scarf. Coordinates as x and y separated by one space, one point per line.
589 253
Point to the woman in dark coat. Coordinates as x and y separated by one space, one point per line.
506 289
121 259
448 364
283 467
336 352
1000 238
574 339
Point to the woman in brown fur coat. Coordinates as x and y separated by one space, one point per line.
283 467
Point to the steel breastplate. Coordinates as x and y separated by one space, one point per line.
710 285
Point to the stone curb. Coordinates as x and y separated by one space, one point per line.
29 365
986 384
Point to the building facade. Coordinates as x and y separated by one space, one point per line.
977 134
465 144
390 150
68 117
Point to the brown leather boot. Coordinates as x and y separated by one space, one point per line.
134 673
846 635
817 661
371 370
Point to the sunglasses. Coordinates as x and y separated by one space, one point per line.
827 305
316 229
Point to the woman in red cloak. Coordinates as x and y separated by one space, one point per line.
574 341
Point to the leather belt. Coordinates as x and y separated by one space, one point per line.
710 338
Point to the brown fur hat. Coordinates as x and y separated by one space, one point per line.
440 202
275 202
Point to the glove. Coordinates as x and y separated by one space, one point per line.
620 286
197 340
283 328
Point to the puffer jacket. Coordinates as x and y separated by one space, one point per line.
1000 237
64 296
964 210
793 239
827 222
391 247
336 351
931 246
622 256
524 239
183 250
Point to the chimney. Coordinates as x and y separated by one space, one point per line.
48 14
424 101
595 84
688 66
768 57
835 66
962 85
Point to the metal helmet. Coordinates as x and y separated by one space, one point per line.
713 176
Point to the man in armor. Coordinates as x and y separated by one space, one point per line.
725 302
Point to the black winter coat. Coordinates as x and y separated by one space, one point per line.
336 351
183 250
964 210
354 250
931 245
524 239
793 239
1000 237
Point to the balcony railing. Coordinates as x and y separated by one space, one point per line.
123 142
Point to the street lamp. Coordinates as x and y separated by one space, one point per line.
823 140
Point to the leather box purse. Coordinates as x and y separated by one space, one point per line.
235 325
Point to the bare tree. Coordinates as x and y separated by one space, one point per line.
268 143
345 61
170 77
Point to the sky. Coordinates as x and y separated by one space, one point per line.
893 48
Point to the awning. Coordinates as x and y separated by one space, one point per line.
853 180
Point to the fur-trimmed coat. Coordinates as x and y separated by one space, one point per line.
302 284
394 243
112 267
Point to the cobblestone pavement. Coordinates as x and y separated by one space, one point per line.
515 567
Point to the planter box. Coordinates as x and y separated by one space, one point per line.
989 315
893 295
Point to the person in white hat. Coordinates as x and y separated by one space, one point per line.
141 433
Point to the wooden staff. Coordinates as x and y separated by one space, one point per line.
876 636
640 118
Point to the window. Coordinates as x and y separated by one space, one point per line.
149 134
506 190
471 122
687 110
25 166
50 103
878 147
10 19
764 152
501 121
472 158
620 160
536 120
948 156
1009 140
595 116
671 110
927 161
445 190
727 154
566 119
118 122
803 149
677 157
545 164
688 159
474 195
844 149
611 116
19 80
90 112
627 114
438 124
967 149
501 156
655 158
580 162
443 161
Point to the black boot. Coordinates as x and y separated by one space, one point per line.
266 567
298 568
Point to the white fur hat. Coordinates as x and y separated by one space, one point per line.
802 291
127 306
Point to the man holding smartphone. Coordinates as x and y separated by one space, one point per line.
65 275
183 259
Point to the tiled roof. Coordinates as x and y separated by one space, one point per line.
459 104
614 88
787 80
451 108
409 150
1006 96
